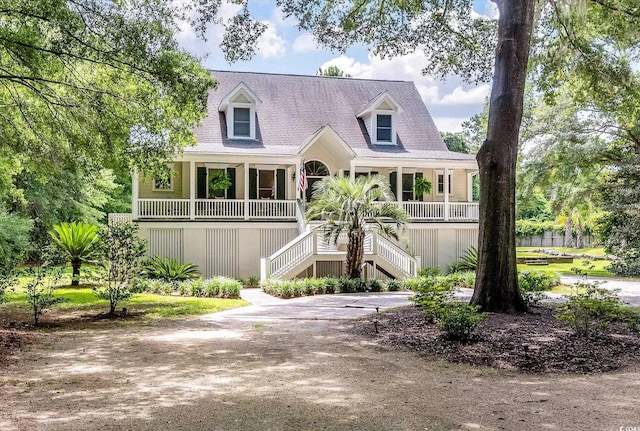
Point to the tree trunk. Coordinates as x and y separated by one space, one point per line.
75 272
579 235
355 253
568 232
496 286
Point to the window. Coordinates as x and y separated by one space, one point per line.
383 128
440 182
266 185
163 182
241 122
214 190
407 187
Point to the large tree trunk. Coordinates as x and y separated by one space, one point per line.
355 254
496 286
568 232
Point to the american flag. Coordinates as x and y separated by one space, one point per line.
302 181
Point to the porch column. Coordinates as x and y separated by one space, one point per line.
192 190
446 194
298 194
399 186
470 186
246 190
135 180
352 170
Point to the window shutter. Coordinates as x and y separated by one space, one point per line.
201 182
346 174
253 183
419 197
231 191
373 173
281 178
393 183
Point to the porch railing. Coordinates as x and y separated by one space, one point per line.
270 209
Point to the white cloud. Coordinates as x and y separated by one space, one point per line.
449 124
304 43
460 96
270 43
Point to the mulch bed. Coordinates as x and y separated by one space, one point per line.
533 342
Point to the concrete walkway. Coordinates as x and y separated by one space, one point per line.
319 307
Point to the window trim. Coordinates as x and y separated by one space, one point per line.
374 127
438 174
248 121
231 120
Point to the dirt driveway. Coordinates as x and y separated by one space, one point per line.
287 366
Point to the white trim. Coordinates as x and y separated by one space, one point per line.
444 179
241 88
322 131
385 96
374 128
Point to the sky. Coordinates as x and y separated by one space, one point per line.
283 48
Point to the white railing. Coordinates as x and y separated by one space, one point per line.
115 218
272 209
463 211
424 210
289 256
396 257
219 208
163 208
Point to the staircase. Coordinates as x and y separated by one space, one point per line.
310 246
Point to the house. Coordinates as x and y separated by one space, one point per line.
232 206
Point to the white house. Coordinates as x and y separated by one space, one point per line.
260 130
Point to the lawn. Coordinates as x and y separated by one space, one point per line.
598 270
81 300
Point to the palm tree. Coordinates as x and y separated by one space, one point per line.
78 243
348 205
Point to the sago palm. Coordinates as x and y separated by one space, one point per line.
77 241
348 205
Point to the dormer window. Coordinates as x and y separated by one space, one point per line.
383 128
240 107
380 117
242 122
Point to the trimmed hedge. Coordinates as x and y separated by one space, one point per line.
327 285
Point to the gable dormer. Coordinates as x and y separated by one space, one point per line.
380 117
239 107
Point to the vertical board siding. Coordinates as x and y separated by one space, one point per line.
272 240
465 239
328 268
424 243
166 243
221 252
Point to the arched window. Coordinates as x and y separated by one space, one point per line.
315 168
316 171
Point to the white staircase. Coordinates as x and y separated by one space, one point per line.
311 246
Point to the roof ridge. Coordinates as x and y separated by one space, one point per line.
309 76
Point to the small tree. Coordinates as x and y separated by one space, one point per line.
348 206
122 251
39 289
77 242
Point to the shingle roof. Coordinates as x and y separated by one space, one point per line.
295 107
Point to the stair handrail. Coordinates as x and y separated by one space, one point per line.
408 264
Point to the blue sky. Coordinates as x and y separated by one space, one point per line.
285 49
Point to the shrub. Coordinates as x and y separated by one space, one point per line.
395 285
77 242
139 285
594 309
332 285
39 290
458 320
533 284
352 285
8 279
195 286
252 282
222 287
429 271
169 269
432 294
375 285
468 261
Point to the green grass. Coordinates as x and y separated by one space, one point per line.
82 299
528 251
565 268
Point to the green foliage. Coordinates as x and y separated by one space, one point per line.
169 270
78 244
348 206
532 284
528 228
458 320
121 250
219 181
40 290
593 308
334 71
315 286
432 294
8 279
14 239
455 142
252 282
429 271
468 261
395 285
421 186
